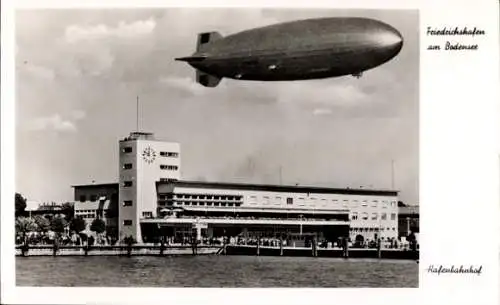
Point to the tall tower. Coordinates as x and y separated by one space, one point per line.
143 161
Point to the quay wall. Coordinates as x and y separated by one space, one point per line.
331 252
116 250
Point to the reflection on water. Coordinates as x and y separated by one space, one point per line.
213 271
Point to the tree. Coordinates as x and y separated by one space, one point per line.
68 209
129 240
42 223
20 205
98 226
24 225
58 224
78 224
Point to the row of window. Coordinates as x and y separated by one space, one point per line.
164 167
201 196
364 216
83 198
324 202
371 229
169 154
84 211
169 167
197 203
168 179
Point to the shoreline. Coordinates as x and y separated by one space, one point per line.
229 250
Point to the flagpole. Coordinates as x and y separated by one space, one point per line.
137 114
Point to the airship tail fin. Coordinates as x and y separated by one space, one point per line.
204 38
207 80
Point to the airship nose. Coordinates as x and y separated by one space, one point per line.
390 39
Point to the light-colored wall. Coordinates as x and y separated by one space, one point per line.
374 208
88 211
144 176
98 190
357 204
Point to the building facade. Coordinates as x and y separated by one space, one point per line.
150 199
143 161
409 220
369 214
94 201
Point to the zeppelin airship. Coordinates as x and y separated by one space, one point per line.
296 50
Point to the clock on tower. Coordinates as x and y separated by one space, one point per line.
149 155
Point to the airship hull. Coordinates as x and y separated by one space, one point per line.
299 50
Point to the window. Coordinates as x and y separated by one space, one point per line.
365 216
127 183
167 179
289 200
93 197
393 216
374 203
147 214
127 166
169 167
127 149
127 203
384 216
374 216
354 216
169 154
127 222
364 203
83 198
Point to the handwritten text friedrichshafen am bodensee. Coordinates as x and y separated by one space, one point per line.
440 269
455 32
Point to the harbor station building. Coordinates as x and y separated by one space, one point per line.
152 200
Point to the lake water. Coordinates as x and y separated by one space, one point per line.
213 271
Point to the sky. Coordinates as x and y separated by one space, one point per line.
78 73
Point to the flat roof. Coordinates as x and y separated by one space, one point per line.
276 188
113 184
